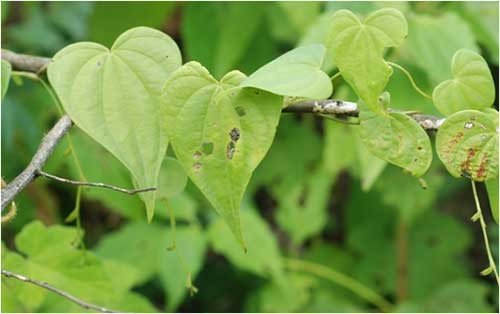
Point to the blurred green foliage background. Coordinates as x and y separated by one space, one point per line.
317 196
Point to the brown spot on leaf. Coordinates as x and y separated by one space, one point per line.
465 166
234 134
240 111
450 147
197 155
230 150
197 167
483 168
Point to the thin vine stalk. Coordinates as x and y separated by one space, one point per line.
479 215
412 81
340 279
64 294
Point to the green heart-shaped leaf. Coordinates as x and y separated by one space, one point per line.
219 133
467 144
296 73
472 85
358 49
398 139
114 96
6 70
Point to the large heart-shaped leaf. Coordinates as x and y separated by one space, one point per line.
398 139
467 144
472 85
358 49
296 73
219 135
114 96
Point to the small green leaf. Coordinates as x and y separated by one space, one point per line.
398 139
219 134
475 217
492 189
472 85
486 271
289 294
296 73
172 179
304 200
132 244
6 70
467 144
114 96
263 257
358 49
370 166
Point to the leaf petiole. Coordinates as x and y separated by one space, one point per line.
479 215
412 81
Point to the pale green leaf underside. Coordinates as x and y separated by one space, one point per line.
6 71
398 139
358 49
467 144
219 136
296 73
114 96
472 85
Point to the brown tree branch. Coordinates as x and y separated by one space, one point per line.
64 294
345 108
26 63
47 146
95 184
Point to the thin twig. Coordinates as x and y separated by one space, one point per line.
47 146
13 208
339 107
412 81
327 106
64 294
340 279
95 184
479 215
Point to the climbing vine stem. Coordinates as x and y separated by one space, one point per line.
333 77
76 210
479 216
412 81
340 279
